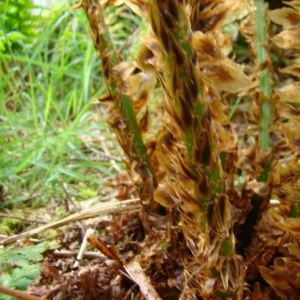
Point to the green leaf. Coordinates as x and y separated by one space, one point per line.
223 295
20 278
16 265
22 257
226 249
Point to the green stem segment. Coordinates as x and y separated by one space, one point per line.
265 86
266 113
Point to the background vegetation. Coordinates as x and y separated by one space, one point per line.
51 134
49 129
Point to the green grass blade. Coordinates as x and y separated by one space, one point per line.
265 85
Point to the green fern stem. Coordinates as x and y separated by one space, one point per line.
265 85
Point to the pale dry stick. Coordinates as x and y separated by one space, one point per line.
136 273
83 246
32 240
68 253
18 294
22 218
105 209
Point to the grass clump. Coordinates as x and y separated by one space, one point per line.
48 127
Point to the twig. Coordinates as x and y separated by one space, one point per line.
62 184
68 253
18 294
83 246
94 240
35 241
22 218
138 276
105 209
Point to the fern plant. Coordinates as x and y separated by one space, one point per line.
18 23
19 266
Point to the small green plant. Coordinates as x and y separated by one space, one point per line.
47 133
19 266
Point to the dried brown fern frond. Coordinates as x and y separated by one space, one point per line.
271 234
127 99
198 154
193 70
